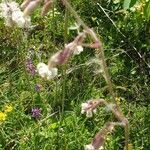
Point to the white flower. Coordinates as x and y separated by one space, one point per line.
89 113
45 72
89 147
21 20
5 13
84 107
78 50
12 14
42 69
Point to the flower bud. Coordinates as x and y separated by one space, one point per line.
47 6
31 7
25 4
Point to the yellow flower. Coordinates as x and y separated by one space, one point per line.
2 116
8 108
117 99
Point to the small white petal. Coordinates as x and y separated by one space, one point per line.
83 111
42 69
78 50
54 71
95 111
89 147
89 113
84 105
101 148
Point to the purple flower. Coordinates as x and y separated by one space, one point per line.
30 67
36 112
38 87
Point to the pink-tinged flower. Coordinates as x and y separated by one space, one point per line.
36 112
63 56
89 108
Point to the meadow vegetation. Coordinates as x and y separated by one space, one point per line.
53 75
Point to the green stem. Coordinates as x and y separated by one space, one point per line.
25 43
66 26
126 136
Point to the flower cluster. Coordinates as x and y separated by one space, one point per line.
36 112
3 115
89 107
12 15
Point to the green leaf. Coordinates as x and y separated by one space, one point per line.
126 4
132 3
129 3
147 10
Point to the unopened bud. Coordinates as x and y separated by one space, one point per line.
31 7
46 7
25 4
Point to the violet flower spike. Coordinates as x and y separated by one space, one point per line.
38 87
30 67
36 112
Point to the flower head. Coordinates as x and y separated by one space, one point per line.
78 50
46 72
12 14
2 116
38 87
89 147
36 112
8 108
88 108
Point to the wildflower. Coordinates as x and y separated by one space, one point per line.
71 48
91 147
46 72
2 116
78 50
88 108
36 112
8 108
30 67
118 99
38 87
12 14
